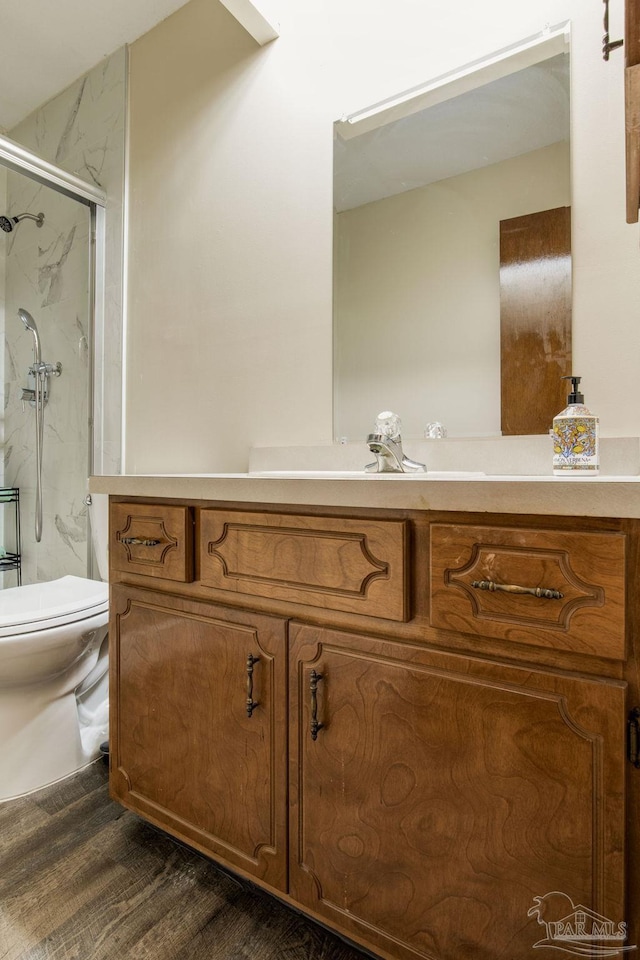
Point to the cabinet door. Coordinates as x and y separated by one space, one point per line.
445 797
185 752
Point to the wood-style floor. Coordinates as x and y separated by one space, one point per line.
83 879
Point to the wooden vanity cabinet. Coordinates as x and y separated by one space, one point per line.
442 794
484 579
418 769
189 751
152 541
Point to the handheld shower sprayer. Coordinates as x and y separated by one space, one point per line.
8 223
30 324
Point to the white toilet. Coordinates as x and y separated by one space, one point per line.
53 681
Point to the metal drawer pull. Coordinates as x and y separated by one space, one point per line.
514 588
137 542
251 703
313 686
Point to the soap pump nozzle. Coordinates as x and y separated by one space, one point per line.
575 396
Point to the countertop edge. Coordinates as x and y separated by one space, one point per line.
590 497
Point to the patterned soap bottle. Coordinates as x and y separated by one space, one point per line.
575 437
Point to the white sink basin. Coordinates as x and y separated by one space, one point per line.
361 475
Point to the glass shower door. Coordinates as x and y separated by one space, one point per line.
45 270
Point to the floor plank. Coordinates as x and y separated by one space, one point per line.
83 879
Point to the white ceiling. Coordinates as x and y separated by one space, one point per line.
48 45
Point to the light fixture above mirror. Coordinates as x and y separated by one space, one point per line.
417 315
504 62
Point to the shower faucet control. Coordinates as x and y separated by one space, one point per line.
44 371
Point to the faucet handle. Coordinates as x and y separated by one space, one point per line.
435 431
389 425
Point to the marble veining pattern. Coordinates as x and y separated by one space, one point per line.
83 131
3 258
63 143
48 273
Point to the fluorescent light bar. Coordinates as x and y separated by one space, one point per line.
542 46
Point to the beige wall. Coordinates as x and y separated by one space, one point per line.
230 262
229 317
418 296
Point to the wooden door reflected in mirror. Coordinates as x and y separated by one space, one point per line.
535 319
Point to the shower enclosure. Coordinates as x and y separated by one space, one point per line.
49 289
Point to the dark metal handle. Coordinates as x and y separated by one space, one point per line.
607 44
514 588
314 678
634 737
137 542
251 703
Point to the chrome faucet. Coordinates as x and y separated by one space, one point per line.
386 443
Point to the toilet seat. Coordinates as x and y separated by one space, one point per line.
41 606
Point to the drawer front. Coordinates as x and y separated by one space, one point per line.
356 566
548 588
155 540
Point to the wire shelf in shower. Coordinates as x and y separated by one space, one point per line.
12 559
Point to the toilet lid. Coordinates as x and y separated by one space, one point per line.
37 606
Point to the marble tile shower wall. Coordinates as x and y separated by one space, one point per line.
48 274
81 130
3 255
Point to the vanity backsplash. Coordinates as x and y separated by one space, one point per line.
495 456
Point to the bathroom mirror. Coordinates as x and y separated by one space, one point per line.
421 185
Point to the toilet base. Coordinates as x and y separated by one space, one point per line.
53 681
51 729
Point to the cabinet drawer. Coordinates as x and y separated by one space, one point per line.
155 540
548 588
357 566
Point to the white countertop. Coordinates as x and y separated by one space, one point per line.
602 496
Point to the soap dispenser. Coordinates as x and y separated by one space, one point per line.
575 437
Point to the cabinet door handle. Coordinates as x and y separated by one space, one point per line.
633 743
543 592
314 678
136 541
250 702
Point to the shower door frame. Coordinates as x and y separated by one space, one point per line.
20 160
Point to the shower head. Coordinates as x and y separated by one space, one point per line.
7 223
30 324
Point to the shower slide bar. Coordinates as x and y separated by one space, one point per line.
40 372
